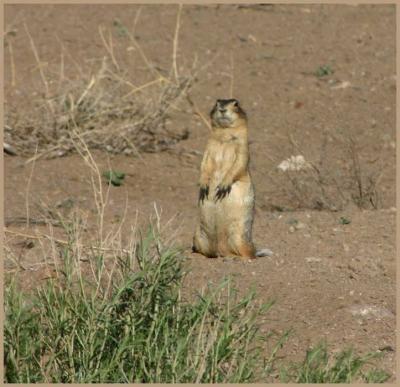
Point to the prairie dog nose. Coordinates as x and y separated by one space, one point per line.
222 109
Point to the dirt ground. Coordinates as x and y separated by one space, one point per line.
330 280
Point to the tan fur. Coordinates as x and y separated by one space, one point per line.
226 222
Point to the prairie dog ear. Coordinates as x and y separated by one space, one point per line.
236 103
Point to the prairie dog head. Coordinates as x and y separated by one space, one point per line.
227 113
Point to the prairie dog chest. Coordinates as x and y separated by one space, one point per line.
224 151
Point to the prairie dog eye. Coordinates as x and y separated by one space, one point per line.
235 103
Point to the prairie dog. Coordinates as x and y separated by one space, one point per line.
226 197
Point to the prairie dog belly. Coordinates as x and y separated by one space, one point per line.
241 198
234 217
223 160
237 205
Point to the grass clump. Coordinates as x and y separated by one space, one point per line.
323 71
114 177
344 367
129 325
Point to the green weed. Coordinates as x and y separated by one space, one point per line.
114 177
323 71
344 367
140 330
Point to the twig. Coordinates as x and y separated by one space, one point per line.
198 112
133 91
62 76
139 48
256 7
40 67
27 190
64 242
122 80
175 43
232 76
89 86
22 219
109 47
39 155
70 57
12 64
136 20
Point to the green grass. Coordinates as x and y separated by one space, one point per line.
344 367
142 330
323 71
130 323
114 177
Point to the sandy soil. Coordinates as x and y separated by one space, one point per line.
330 280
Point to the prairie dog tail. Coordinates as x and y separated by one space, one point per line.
264 253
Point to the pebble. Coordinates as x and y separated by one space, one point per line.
300 226
342 85
370 310
297 226
313 259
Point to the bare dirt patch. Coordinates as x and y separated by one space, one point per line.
316 81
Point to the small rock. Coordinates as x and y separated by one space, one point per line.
9 149
300 226
387 348
252 38
313 259
370 310
342 85
27 244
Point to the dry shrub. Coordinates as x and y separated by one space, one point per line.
337 178
102 105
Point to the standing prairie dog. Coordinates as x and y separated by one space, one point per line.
226 198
